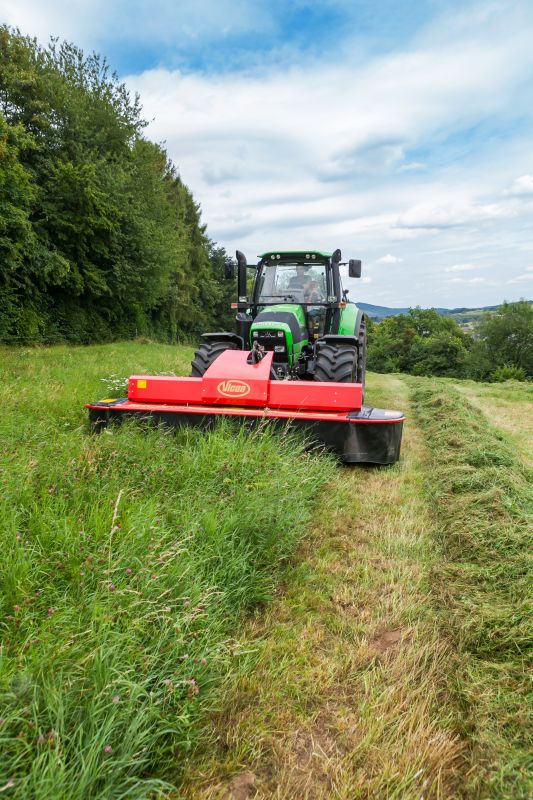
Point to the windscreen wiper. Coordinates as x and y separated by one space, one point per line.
277 296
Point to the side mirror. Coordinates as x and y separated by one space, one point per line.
354 268
229 269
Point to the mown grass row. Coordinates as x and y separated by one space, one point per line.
128 561
484 502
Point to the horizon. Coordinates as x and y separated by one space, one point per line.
402 136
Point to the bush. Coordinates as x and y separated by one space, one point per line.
422 342
507 335
508 373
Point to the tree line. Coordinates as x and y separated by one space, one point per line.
99 237
423 342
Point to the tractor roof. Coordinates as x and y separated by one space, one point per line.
304 253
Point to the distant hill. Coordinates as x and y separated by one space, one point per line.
462 315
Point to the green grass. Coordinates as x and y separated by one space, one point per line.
141 652
484 502
129 561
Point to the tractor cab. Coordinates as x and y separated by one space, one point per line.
298 311
299 279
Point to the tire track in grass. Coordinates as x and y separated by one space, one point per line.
344 696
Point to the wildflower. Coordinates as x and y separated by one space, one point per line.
108 748
51 611
111 587
129 571
41 739
116 698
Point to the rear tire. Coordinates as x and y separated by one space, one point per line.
336 363
206 354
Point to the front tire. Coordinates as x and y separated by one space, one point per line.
336 363
206 354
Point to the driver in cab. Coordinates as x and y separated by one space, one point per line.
299 283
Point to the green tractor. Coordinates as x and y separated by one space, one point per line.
298 310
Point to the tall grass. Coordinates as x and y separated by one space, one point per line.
484 499
128 561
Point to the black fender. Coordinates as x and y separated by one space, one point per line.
336 338
359 319
225 336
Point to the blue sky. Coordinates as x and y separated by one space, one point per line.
401 132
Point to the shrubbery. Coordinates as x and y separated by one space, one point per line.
424 342
508 373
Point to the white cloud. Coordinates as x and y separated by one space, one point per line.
410 166
432 215
471 281
526 276
461 267
522 185
304 153
160 22
389 259
366 279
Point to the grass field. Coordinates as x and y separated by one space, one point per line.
221 615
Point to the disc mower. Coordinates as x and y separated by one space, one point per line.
297 357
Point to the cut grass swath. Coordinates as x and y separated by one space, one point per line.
484 499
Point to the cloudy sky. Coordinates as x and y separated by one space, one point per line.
399 131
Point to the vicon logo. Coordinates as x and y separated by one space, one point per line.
233 388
